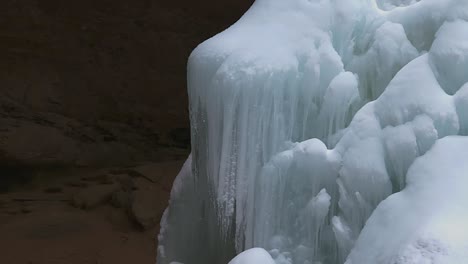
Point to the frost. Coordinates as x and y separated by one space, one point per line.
324 132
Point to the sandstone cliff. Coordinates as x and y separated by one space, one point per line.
99 82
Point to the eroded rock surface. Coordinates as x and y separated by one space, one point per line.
93 82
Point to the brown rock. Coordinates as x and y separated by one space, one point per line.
53 190
148 203
98 82
125 181
121 199
147 207
77 184
157 172
94 196
98 178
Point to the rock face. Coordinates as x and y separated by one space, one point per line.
94 195
93 82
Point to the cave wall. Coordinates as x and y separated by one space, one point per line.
99 82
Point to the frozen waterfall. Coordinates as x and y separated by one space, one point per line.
327 132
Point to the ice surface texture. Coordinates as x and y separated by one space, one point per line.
327 131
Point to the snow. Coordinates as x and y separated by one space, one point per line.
426 222
327 131
253 256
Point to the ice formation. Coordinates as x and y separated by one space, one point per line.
253 256
327 132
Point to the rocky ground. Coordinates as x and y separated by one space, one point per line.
84 215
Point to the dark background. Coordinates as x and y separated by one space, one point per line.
94 123
94 82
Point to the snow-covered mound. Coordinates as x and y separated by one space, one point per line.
253 256
427 222
306 116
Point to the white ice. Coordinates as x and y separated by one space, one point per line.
427 221
306 116
253 256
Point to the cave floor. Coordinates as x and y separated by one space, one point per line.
95 216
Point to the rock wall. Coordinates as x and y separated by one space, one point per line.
96 82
